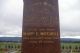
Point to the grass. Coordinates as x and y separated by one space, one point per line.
73 44
8 46
17 46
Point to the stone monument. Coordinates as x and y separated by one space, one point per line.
41 33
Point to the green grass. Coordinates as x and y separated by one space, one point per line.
70 44
10 46
17 46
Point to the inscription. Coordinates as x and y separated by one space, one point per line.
40 33
40 37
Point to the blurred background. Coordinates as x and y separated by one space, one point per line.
11 16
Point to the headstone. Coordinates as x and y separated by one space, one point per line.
41 32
